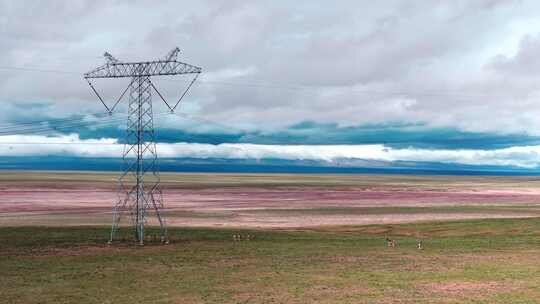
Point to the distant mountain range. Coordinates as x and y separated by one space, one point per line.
344 166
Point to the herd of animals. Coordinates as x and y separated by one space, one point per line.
390 243
239 237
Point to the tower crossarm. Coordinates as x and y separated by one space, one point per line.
142 69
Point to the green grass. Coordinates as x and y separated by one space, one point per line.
481 261
245 180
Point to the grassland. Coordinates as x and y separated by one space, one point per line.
480 261
316 239
213 180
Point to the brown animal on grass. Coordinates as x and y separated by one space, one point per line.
391 243
239 237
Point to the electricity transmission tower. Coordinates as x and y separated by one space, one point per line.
139 184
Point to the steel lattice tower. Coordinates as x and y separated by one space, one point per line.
139 184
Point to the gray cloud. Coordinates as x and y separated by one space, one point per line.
470 65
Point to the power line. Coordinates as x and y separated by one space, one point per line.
26 69
48 129
45 126
58 143
51 120
28 128
104 123
297 87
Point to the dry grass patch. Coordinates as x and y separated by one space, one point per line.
464 288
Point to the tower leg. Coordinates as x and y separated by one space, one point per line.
158 204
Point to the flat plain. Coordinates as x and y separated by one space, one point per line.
270 200
312 239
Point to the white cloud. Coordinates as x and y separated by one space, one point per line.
69 145
22 145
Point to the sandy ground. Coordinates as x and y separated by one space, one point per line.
270 201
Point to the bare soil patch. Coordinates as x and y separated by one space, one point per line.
462 287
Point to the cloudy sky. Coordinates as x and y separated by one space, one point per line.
452 82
